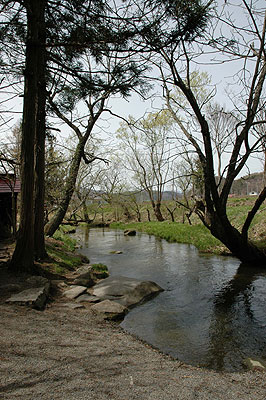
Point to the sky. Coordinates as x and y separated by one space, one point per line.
220 75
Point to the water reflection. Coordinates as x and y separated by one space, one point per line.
212 312
238 321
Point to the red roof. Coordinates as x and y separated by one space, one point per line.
6 185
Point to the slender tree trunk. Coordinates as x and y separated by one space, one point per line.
39 242
59 215
23 256
85 212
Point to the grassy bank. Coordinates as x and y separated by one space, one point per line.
60 249
197 235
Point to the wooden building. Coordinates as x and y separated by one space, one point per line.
9 189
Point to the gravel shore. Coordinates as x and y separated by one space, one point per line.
68 354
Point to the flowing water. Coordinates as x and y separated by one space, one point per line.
212 312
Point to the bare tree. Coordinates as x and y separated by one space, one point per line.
147 155
247 44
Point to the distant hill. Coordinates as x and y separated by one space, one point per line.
248 184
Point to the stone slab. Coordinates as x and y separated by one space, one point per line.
75 291
125 291
34 297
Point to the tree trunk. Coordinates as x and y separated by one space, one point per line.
39 242
238 244
56 220
23 256
157 212
85 212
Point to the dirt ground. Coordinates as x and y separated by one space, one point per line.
71 354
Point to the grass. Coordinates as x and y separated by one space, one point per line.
61 249
196 235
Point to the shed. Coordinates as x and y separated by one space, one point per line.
9 189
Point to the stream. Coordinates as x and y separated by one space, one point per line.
212 312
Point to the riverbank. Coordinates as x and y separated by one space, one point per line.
62 353
197 235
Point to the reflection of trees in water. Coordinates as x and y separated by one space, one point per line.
86 234
233 304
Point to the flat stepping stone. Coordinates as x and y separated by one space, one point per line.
75 291
34 297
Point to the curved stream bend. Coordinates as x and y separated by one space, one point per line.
207 315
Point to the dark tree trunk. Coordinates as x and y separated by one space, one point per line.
59 215
23 256
171 212
237 243
157 212
39 242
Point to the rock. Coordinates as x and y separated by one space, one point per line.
58 283
34 297
129 232
87 298
110 310
85 276
10 287
125 291
83 270
88 282
88 275
253 363
75 291
37 281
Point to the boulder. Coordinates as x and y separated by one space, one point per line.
84 276
125 291
110 310
75 291
130 232
34 297
88 282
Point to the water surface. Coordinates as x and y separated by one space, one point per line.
212 313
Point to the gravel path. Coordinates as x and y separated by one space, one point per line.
70 354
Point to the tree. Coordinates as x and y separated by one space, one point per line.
147 154
115 75
66 28
23 256
176 66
